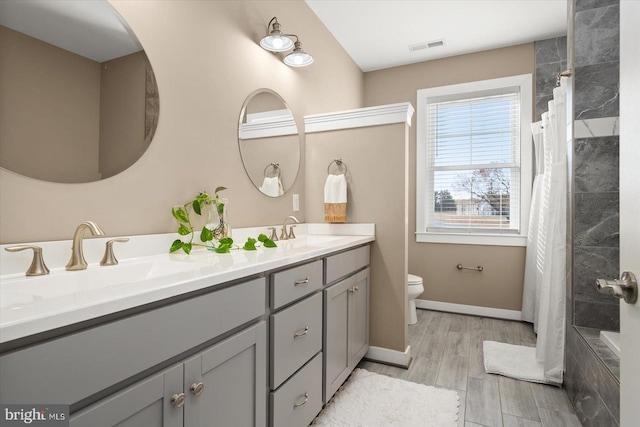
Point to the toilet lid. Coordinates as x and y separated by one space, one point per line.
414 280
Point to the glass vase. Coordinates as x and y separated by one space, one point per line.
217 219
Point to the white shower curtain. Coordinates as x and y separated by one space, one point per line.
545 270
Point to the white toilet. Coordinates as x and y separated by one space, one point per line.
414 288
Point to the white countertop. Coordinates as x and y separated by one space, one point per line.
28 307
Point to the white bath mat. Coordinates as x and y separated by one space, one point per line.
371 400
514 361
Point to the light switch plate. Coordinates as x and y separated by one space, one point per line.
296 203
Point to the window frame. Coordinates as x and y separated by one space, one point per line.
457 91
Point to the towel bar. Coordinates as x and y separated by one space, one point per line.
276 170
338 162
461 267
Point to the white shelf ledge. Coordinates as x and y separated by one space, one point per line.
361 117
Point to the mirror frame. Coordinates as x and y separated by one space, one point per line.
243 112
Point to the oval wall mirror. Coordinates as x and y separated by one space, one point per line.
79 98
269 142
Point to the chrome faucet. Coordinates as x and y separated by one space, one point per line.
77 261
284 235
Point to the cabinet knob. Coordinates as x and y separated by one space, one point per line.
300 334
351 290
355 289
306 399
301 282
177 400
196 389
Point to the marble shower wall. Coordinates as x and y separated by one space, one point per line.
593 226
595 161
551 58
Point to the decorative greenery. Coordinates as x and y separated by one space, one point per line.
207 236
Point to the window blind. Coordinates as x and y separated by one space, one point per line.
473 164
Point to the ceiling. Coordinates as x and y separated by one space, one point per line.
377 33
92 29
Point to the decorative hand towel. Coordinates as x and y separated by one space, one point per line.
272 187
335 199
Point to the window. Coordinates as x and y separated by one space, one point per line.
474 162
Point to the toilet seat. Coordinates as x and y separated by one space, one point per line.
414 280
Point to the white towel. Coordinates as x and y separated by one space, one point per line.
514 361
335 189
272 187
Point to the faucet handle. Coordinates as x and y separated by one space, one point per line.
274 234
37 267
291 234
109 258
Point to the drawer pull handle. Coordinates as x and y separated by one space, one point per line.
177 400
301 282
196 389
306 399
300 334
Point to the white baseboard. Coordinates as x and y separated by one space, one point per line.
390 357
498 313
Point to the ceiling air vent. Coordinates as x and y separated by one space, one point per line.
435 43
425 45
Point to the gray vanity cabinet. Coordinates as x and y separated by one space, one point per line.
147 403
224 385
296 345
346 329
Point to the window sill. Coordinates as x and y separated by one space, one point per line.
473 239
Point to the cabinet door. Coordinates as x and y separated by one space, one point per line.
359 318
226 385
336 345
147 403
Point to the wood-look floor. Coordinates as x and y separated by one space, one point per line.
447 352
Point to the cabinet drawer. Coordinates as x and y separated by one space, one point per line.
299 400
296 335
341 265
76 366
294 283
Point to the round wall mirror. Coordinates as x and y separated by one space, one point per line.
79 98
269 142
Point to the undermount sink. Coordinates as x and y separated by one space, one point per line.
21 291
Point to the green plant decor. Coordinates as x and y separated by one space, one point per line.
222 246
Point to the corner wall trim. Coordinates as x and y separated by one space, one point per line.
475 310
361 117
390 357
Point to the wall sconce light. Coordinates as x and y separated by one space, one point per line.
275 41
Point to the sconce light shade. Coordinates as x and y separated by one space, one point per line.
298 58
275 41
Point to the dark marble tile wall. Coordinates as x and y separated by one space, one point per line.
592 389
595 160
551 58
593 212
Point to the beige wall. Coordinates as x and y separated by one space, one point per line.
500 284
207 60
49 116
122 112
376 158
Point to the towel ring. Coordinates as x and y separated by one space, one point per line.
338 162
276 170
